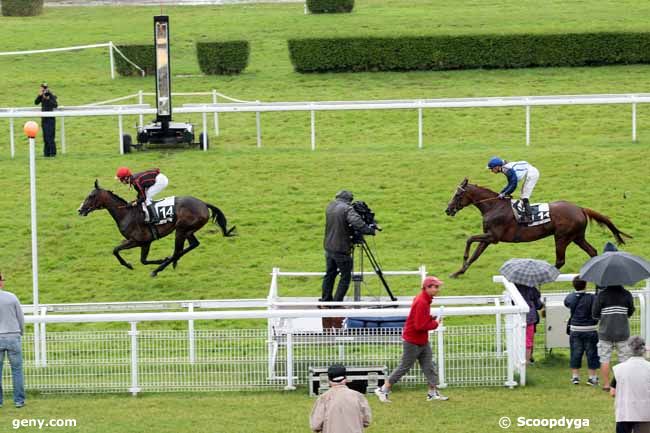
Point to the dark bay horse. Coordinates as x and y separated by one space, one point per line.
191 215
568 224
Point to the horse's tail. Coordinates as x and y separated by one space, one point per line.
219 218
602 220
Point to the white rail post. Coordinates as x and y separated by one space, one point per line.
423 273
306 7
121 132
498 328
63 134
521 336
646 294
11 137
112 60
205 131
290 386
527 125
634 122
420 128
43 339
441 352
510 382
258 123
141 101
32 195
216 114
190 331
313 130
135 388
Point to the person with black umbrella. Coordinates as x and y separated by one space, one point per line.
613 305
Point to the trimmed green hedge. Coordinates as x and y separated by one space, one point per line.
142 55
468 52
22 8
223 58
329 6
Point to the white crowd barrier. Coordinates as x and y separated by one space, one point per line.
71 353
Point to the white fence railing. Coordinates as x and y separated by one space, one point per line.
526 102
487 352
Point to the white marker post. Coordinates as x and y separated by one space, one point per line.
31 129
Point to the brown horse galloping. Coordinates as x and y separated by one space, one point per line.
191 215
568 224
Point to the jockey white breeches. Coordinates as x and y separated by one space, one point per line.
161 183
529 184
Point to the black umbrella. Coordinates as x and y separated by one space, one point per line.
615 268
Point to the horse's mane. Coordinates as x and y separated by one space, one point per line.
483 188
115 196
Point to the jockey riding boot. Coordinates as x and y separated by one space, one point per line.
153 217
527 217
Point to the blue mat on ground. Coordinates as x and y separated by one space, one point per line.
375 322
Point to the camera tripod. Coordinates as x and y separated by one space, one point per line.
360 248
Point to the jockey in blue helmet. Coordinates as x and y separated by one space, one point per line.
515 172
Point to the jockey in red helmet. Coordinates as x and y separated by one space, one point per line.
147 184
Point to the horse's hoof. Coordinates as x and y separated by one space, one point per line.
129 265
154 273
454 275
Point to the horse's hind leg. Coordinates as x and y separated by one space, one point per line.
586 246
178 250
144 253
193 243
561 243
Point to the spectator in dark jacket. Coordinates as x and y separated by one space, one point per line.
48 102
534 300
341 222
613 306
583 337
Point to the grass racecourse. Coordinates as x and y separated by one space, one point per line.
276 195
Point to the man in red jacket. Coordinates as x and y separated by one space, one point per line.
416 343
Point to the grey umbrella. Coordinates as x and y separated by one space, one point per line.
615 268
529 272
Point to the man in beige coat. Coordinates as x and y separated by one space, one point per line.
341 409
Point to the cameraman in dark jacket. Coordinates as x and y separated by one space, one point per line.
48 102
341 222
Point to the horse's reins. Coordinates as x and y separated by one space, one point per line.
480 201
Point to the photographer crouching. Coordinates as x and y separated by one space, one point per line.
48 102
342 221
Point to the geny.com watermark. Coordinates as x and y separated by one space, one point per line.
550 423
41 423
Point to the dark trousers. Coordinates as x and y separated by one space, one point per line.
412 353
336 263
49 131
584 343
632 427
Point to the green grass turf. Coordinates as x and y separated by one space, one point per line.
276 195
548 395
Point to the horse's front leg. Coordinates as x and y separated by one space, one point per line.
484 238
144 253
125 245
